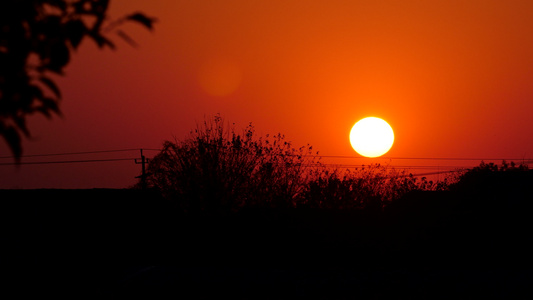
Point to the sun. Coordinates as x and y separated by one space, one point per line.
371 137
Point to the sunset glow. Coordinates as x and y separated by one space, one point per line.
454 78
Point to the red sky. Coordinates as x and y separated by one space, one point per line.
453 78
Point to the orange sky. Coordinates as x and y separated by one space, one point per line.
453 78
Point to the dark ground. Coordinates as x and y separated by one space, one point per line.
115 244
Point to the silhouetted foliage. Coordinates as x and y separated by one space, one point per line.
37 38
217 168
489 177
494 188
370 187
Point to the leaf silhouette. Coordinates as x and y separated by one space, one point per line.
100 40
127 38
21 124
51 85
49 104
141 18
58 57
13 140
76 30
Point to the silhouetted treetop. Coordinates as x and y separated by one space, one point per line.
37 38
217 168
489 178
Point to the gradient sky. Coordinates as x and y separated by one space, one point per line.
453 78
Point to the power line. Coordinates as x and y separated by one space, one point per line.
339 165
398 166
433 173
417 174
66 161
320 156
74 153
418 158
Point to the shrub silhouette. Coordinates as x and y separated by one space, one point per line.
216 168
490 186
371 187
489 177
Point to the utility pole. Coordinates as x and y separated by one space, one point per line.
143 170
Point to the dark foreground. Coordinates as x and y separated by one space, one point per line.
118 244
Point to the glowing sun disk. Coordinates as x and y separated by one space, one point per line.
371 137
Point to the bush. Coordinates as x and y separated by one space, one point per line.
371 187
489 178
216 168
